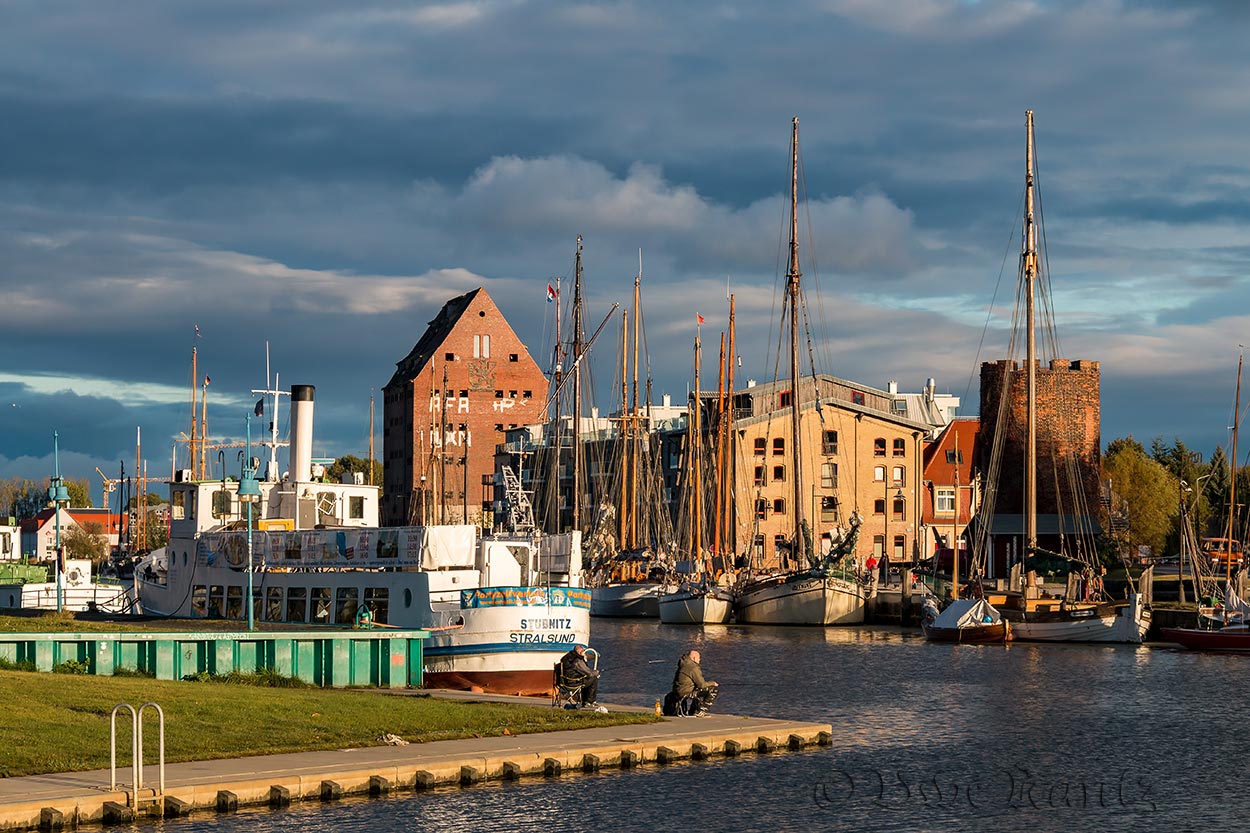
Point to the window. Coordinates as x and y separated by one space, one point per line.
944 500
878 473
780 544
234 602
857 397
346 603
761 508
828 508
179 507
273 604
757 545
779 474
221 503
899 508
321 605
527 394
779 446
878 447
785 399
761 445
900 447
952 454
878 546
356 509
899 406
828 475
514 358
499 394
779 506
481 347
759 475
451 357
378 600
900 547
900 473
829 442
878 506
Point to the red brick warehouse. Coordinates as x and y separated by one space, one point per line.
439 438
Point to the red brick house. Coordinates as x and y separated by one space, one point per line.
467 381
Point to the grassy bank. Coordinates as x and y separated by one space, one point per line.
60 723
41 621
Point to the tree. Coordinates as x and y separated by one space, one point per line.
1144 490
1215 490
152 499
79 492
352 463
86 541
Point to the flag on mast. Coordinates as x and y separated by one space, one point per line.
551 293
700 317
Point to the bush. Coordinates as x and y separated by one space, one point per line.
262 677
10 665
71 666
133 672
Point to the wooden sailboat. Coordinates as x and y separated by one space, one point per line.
813 591
700 600
1045 620
629 572
1234 633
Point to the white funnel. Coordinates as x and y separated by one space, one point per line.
301 432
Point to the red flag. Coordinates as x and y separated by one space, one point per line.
700 317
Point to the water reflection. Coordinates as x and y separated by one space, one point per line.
927 737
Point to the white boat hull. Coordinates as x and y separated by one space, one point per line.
1128 624
628 600
695 608
802 600
110 598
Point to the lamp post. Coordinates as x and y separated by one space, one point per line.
58 495
249 493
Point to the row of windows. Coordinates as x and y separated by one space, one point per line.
318 605
828 444
899 447
828 475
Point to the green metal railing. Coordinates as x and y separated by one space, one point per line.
381 659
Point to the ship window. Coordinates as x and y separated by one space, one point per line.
348 599
378 600
407 597
199 600
297 604
234 602
273 604
216 600
178 510
321 605
356 509
221 503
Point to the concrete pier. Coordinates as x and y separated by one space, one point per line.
67 800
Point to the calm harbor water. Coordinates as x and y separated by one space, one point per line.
926 737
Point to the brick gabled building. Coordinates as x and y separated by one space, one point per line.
467 381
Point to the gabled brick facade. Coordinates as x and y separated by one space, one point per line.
439 438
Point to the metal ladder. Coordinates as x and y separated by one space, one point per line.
136 751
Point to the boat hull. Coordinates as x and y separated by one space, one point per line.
628 600
1123 624
802 600
689 608
1199 639
997 633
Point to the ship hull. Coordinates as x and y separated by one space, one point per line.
1125 624
695 608
802 600
627 600
1199 639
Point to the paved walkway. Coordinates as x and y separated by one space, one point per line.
69 799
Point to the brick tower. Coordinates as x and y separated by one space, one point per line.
1068 417
467 381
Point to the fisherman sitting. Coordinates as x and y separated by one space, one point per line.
577 673
691 694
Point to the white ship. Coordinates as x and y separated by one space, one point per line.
503 609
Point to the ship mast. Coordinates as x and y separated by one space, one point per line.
799 551
576 502
1029 264
1232 489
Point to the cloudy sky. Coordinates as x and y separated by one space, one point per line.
324 175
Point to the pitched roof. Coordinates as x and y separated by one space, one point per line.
410 366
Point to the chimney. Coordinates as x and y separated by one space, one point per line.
892 388
301 432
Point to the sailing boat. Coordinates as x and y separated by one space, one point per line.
814 591
1235 634
701 600
1041 620
629 573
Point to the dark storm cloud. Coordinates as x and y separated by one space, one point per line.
325 176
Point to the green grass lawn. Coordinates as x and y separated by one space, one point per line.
60 722
66 622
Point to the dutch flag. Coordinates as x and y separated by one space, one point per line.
551 293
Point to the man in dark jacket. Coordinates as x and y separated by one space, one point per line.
575 670
691 694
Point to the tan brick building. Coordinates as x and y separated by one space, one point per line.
859 456
467 381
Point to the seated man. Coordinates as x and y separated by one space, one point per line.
691 694
575 670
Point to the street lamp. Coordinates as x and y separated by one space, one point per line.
58 494
249 493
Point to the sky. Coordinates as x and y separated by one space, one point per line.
323 176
